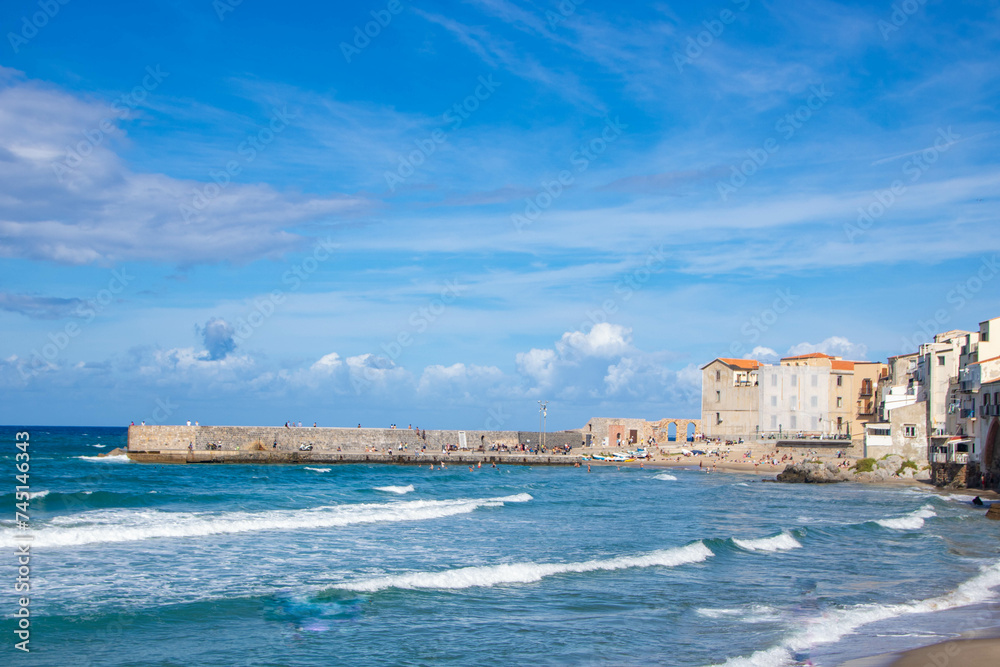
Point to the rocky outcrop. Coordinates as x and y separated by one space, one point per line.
814 473
887 469
994 512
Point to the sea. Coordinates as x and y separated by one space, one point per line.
140 564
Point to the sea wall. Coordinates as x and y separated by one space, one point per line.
167 441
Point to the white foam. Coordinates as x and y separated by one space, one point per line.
912 521
838 623
99 526
757 613
115 458
781 542
523 573
99 446
666 477
38 494
319 469
396 489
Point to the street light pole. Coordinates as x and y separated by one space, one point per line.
543 413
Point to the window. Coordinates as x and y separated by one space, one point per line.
840 380
718 418
815 380
718 375
774 401
774 422
840 401
795 380
774 380
792 422
910 430
814 401
718 397
940 360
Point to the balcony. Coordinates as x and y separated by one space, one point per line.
967 413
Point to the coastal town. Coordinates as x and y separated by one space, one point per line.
938 405
934 412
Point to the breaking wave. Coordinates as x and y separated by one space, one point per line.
758 613
319 469
912 521
782 542
98 526
666 477
396 489
116 458
837 623
523 573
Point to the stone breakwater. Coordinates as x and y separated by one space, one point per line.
263 444
813 472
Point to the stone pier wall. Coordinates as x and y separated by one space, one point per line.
345 440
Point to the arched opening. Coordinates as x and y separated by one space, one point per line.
690 432
672 432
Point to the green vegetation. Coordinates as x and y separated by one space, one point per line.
907 464
864 465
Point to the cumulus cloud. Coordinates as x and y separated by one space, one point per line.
464 382
604 340
837 346
218 337
761 353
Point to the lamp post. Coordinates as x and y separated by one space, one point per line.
543 412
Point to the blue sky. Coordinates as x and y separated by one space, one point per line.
257 212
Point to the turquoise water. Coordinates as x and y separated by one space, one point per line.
371 565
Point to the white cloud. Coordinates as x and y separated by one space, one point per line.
837 346
604 340
66 196
764 354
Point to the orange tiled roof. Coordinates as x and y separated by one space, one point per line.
745 364
811 355
839 365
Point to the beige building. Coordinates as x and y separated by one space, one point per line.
807 395
730 398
